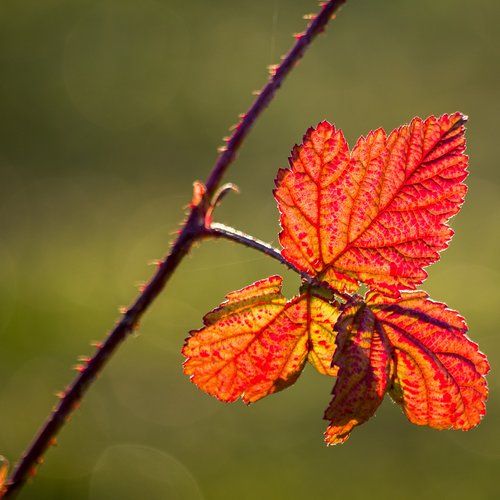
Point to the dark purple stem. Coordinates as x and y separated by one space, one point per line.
193 229
316 26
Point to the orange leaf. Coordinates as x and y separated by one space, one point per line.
256 342
439 372
377 215
322 316
415 348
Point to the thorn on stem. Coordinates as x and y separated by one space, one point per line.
155 262
216 200
272 68
222 192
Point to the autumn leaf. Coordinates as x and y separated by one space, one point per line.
376 215
415 348
257 343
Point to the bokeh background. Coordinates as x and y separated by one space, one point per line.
109 110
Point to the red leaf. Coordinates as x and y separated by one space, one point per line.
439 372
256 343
377 215
418 350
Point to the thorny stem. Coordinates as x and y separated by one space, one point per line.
223 231
316 26
192 230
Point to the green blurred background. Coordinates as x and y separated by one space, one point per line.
109 110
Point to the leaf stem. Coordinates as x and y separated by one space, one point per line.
193 229
222 231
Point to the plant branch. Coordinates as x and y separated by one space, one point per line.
315 27
222 231
192 230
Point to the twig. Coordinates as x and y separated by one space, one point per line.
222 231
315 27
192 230
229 233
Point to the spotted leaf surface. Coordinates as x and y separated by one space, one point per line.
377 215
257 343
416 349
438 371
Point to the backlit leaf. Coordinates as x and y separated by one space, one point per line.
376 215
322 317
439 372
256 342
415 348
